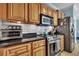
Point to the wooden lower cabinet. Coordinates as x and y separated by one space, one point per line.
39 48
17 50
39 51
62 42
35 48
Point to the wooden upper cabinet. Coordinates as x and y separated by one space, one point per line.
26 13
62 15
44 9
3 11
49 11
34 13
16 12
59 14
55 18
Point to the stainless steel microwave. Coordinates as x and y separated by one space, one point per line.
46 20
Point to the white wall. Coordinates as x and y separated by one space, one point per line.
76 17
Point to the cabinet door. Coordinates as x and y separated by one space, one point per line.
62 16
39 43
34 13
26 13
17 50
3 11
50 12
39 51
44 9
55 18
16 12
59 15
62 42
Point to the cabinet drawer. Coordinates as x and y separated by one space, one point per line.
38 43
35 44
41 42
25 54
14 50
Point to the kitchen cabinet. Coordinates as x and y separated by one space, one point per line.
62 15
34 13
16 12
39 51
26 13
39 48
33 48
59 15
3 11
38 43
44 8
62 42
50 12
55 18
17 50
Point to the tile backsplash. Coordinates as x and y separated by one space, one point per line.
30 28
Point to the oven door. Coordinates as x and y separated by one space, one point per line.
53 47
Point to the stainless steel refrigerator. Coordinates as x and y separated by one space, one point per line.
66 27
69 42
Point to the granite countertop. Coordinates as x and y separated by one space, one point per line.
31 39
18 41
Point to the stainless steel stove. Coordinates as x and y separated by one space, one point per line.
53 46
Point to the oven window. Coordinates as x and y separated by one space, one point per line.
52 48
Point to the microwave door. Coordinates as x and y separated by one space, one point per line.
46 20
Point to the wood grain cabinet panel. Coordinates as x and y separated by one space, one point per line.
50 12
59 15
43 9
34 13
39 48
62 16
39 43
35 48
26 13
16 12
62 42
3 11
25 54
39 51
55 18
17 50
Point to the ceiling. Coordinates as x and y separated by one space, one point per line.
62 5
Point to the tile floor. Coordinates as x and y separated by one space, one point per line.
74 53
